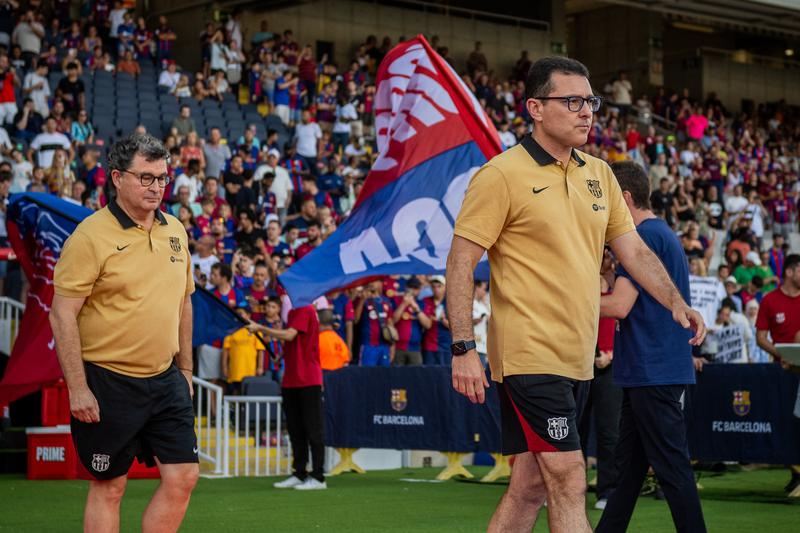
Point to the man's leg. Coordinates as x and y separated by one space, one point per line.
564 476
292 406
313 424
165 511
632 468
662 428
519 506
102 505
608 399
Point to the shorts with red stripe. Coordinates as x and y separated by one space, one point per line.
539 413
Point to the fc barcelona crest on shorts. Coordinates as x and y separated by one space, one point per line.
557 428
741 402
594 188
399 400
100 462
175 244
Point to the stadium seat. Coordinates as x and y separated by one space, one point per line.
262 386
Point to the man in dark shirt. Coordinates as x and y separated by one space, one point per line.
248 233
28 122
234 179
71 90
662 202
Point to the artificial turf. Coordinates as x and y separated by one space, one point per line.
382 501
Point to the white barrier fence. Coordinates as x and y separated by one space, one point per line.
10 316
254 439
208 422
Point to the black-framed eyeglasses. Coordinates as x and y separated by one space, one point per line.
575 103
147 179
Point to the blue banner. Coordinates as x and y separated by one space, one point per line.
212 320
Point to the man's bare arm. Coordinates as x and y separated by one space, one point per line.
64 323
620 302
647 269
469 377
184 357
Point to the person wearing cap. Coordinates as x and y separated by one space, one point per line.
752 267
731 289
242 354
333 351
437 339
372 313
411 322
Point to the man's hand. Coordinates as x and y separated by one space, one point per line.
604 359
698 363
689 318
469 377
188 375
83 405
252 327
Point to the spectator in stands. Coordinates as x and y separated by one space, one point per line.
373 311
37 88
71 90
203 259
165 40
46 143
411 322
281 98
437 339
82 131
8 102
191 149
129 65
184 123
28 35
242 354
215 153
169 78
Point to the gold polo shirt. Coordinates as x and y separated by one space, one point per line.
544 224
134 283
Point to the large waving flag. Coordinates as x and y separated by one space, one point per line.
38 225
432 137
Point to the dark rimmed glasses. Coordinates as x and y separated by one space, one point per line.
575 103
147 179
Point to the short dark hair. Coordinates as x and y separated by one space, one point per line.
632 178
792 261
758 282
224 270
539 79
315 224
122 153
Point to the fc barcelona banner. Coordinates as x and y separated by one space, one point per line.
744 413
432 137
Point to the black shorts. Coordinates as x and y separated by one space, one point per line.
539 413
139 417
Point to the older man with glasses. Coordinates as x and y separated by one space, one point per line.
122 323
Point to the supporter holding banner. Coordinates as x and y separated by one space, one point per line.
706 294
432 137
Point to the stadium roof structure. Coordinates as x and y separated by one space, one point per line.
767 17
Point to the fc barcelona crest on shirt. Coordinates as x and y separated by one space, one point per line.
594 188
399 400
741 402
175 244
557 428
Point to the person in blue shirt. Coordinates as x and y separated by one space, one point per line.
653 364
372 313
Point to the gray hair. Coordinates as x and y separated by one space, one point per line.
123 151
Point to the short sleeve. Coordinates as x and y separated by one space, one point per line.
620 221
299 319
226 344
762 321
485 209
189 273
78 267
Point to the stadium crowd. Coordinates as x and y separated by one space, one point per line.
254 204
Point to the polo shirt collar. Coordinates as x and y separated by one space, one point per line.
541 156
125 221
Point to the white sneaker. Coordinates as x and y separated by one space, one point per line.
311 484
288 483
601 504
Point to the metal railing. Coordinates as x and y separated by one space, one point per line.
10 316
208 424
270 447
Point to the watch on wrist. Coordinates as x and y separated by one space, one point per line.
461 347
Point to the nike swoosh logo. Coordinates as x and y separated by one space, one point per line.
537 191
120 248
194 450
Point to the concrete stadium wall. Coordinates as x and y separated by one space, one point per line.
734 81
347 23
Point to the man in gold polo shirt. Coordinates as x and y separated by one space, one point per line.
122 323
544 212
